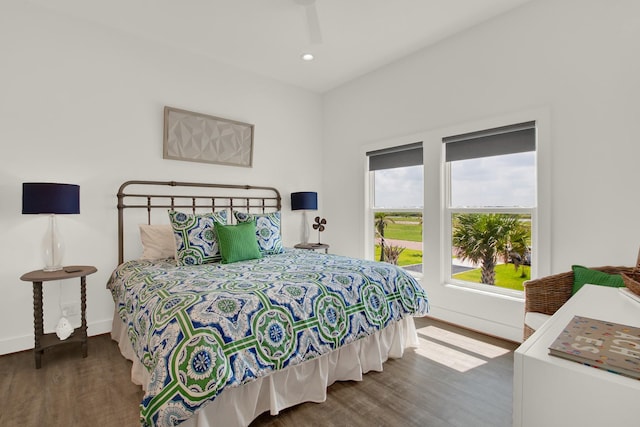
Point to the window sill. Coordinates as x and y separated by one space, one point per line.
507 294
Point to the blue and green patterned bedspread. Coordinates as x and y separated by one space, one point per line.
199 329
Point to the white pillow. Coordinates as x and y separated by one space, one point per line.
158 241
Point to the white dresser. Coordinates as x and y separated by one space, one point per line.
549 391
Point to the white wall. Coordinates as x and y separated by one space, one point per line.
577 61
82 104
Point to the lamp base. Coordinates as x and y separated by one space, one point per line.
304 237
52 247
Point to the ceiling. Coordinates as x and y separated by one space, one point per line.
269 36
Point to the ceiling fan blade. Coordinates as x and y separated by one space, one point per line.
314 23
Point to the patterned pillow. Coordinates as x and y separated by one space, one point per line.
268 231
196 239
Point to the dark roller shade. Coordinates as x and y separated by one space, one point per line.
510 139
396 157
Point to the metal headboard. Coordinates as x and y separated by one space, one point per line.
210 197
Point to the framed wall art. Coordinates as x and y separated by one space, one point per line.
197 137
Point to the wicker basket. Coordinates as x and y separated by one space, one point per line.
547 294
632 281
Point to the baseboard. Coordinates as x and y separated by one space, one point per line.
485 326
22 343
447 322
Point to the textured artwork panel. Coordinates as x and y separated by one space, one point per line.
202 138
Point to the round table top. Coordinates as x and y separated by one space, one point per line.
67 272
311 246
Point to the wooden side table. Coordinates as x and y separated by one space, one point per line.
79 335
313 246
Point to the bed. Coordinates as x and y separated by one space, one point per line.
217 342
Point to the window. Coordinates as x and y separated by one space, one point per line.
396 193
490 207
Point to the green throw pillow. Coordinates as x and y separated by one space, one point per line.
583 275
238 242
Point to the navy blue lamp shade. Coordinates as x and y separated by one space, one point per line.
50 198
304 200
53 199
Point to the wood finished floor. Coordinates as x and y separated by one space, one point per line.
457 378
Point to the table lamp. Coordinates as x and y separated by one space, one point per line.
304 201
52 199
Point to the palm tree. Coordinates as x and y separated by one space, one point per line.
519 242
381 222
481 238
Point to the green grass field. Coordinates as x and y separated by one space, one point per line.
407 257
411 232
506 276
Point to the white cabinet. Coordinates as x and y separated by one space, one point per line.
549 391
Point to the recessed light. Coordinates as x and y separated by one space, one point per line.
307 57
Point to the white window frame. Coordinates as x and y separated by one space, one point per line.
370 210
540 213
436 258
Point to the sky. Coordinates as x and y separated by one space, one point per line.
399 187
507 180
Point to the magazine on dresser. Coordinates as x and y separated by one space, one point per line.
602 344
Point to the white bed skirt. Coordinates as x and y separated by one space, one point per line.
307 382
